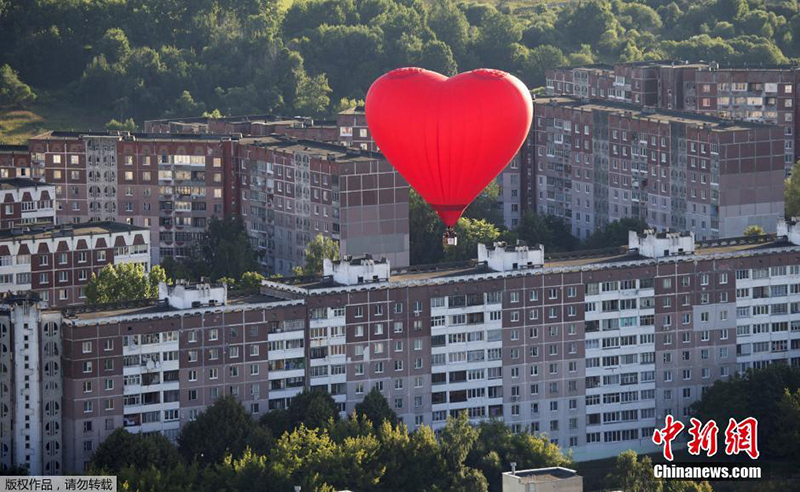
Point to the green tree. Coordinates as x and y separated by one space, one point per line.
758 393
787 442
633 475
457 440
548 230
128 125
13 91
313 408
614 234
470 232
497 446
791 193
425 231
223 428
251 281
437 56
122 449
753 230
312 95
317 250
485 206
375 407
123 282
224 251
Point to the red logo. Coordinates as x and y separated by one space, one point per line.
666 435
741 437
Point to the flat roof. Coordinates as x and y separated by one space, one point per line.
133 136
13 148
153 306
83 229
663 115
288 144
544 475
601 259
15 183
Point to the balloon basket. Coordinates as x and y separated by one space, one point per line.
449 238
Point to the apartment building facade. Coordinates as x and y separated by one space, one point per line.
15 162
56 263
250 125
596 162
757 94
26 202
174 184
293 190
591 352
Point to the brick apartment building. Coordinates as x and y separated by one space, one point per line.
15 163
350 130
592 351
757 94
173 184
599 161
252 125
26 202
57 262
296 189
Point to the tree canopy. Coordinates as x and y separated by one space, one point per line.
124 282
224 251
225 449
155 58
317 250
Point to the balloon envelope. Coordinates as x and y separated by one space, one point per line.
448 137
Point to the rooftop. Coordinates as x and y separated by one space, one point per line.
84 229
596 259
355 110
122 135
15 183
331 151
663 115
6 148
152 306
543 475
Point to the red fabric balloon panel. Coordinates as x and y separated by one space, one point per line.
449 137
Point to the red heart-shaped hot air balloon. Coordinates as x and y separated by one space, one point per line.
448 137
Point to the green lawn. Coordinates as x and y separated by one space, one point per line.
18 125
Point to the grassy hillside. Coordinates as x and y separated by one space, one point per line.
18 125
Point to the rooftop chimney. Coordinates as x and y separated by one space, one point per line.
358 270
652 244
501 257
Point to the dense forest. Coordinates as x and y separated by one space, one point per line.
154 58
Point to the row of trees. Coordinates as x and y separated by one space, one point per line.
482 223
308 445
156 57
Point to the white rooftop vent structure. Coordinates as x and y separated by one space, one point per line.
184 296
652 244
501 257
790 229
353 271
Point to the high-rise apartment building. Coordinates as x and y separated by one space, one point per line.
173 184
600 161
15 162
293 190
756 94
592 350
26 202
56 263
